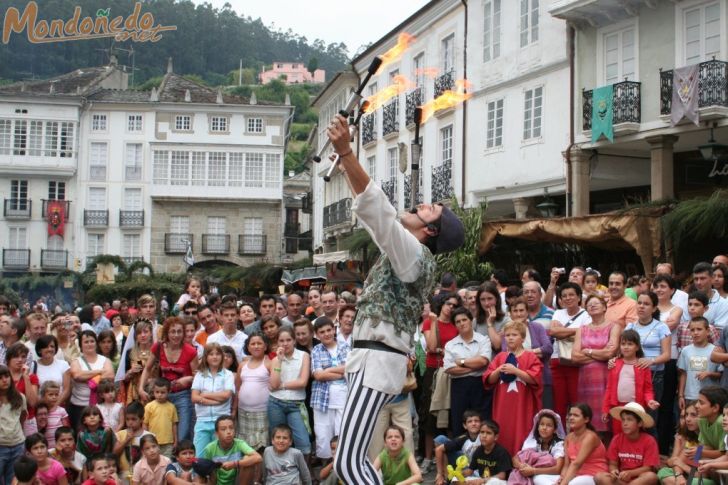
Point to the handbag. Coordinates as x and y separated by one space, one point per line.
566 345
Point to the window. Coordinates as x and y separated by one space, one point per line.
160 167
372 167
56 190
180 168
6 129
134 123
216 169
35 139
529 22
131 248
98 161
198 168
94 245
132 199
179 224
51 138
255 125
97 198
133 162
447 51
253 226
235 174
491 30
19 195
446 144
55 243
66 140
272 170
532 113
183 123
254 170
18 238
702 33
494 132
392 162
98 122
20 138
619 55
418 67
216 232
219 124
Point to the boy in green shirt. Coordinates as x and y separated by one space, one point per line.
234 454
709 405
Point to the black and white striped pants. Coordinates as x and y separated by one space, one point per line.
360 415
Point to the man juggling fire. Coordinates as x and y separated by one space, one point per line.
390 306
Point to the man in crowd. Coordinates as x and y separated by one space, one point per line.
37 325
448 283
346 325
717 313
720 259
4 306
266 307
330 304
12 330
209 324
229 333
100 322
295 307
620 308
537 311
500 278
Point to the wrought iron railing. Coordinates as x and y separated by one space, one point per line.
626 104
131 218
337 213
17 209
408 192
368 128
444 83
291 228
712 86
216 244
176 242
67 208
390 117
53 258
95 218
251 244
16 258
413 100
390 188
442 182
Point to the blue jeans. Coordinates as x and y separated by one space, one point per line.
453 455
8 456
204 435
289 412
182 400
658 385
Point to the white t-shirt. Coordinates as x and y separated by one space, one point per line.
237 342
579 319
111 414
80 392
53 372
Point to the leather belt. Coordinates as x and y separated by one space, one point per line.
376 345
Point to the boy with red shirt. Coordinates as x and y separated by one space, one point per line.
633 454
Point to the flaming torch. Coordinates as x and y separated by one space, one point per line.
416 149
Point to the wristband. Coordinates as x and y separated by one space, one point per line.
342 155
276 369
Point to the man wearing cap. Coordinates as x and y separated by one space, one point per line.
390 305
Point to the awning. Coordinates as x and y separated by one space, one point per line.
308 273
333 257
639 230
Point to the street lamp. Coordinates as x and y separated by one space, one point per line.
713 150
548 207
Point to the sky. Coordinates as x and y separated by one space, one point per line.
353 22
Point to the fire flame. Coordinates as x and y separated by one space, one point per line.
428 72
403 42
399 85
447 99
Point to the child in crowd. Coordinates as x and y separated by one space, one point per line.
720 463
212 391
695 369
284 465
39 422
711 401
50 472
626 381
180 472
542 454
193 291
686 438
50 393
65 453
128 445
516 377
93 437
112 411
113 461
448 451
99 472
491 461
398 464
160 417
25 469
150 469
697 307
592 285
229 359
236 456
633 455
327 474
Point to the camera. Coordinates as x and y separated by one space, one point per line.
560 270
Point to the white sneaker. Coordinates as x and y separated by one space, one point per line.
425 466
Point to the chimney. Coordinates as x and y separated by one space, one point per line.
219 99
169 66
253 98
154 95
188 96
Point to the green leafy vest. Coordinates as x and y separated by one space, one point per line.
387 298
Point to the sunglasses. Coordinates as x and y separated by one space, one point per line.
190 312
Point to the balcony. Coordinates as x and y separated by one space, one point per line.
131 218
67 208
16 259
252 244
390 188
408 192
17 209
712 90
442 182
216 244
95 218
626 102
390 118
413 100
291 229
337 213
368 128
53 259
176 242
443 83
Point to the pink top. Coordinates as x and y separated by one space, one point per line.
596 461
52 474
253 392
55 421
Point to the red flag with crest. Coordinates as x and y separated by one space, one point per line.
56 217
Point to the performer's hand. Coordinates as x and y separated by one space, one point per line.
338 132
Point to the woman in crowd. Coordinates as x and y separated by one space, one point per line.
86 372
136 359
178 364
246 312
536 338
12 415
271 326
229 359
314 304
26 382
489 315
253 381
107 347
118 328
720 279
303 330
585 453
49 368
191 328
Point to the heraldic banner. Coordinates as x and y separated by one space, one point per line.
602 113
56 217
685 95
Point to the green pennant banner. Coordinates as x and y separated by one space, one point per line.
602 113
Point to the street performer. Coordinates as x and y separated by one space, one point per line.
390 306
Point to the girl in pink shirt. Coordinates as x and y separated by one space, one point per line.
50 472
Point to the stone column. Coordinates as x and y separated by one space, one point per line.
580 184
520 205
662 181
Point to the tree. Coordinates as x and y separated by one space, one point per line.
313 64
465 263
